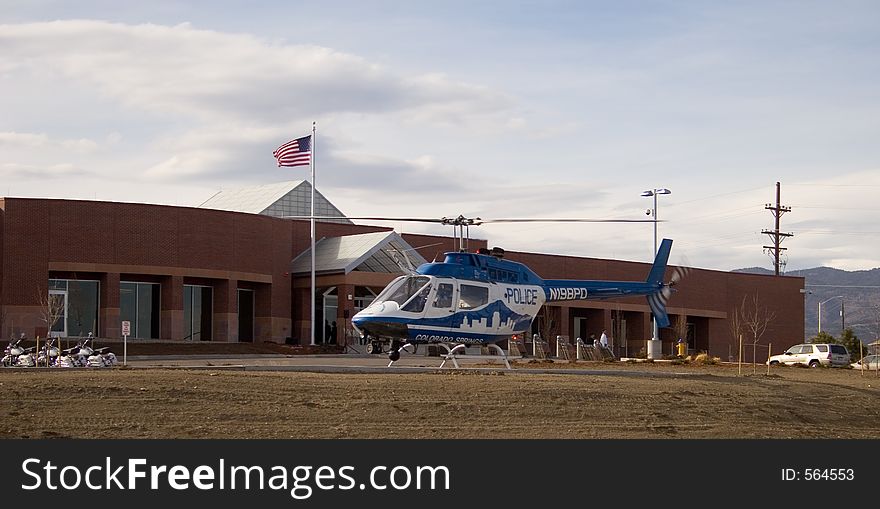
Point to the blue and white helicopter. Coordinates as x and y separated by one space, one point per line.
481 299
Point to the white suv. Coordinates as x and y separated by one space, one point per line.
813 355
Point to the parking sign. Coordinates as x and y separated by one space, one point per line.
126 328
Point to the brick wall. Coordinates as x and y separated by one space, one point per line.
150 240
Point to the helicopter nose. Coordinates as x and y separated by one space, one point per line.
379 326
360 322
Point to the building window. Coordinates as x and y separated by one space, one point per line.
139 304
198 312
78 314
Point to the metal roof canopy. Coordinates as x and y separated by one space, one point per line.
281 199
368 252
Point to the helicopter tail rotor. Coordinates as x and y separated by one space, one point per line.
658 301
678 273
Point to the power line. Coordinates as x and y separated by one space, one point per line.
701 198
722 215
836 185
837 232
835 208
838 286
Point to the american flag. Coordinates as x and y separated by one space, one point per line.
296 152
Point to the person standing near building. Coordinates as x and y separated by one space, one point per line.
604 339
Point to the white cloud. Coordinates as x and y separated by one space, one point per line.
18 140
180 70
28 141
42 154
82 145
210 106
15 171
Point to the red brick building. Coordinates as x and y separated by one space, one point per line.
198 274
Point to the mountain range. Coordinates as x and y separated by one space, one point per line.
849 299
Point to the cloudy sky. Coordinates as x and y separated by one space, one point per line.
488 109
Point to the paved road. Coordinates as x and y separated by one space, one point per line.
363 363
350 361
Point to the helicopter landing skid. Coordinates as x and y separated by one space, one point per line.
452 353
394 358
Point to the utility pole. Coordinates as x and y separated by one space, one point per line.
776 237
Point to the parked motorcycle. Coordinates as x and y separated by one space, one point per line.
75 356
11 352
102 358
49 353
15 355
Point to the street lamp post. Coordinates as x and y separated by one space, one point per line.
819 324
806 292
655 346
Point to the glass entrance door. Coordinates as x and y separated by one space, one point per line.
245 315
580 328
198 312
331 328
56 309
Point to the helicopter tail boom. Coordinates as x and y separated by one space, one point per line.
652 288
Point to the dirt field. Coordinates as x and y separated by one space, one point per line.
633 401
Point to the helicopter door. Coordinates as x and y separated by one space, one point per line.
440 309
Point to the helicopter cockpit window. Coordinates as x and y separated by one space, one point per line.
443 299
391 288
417 303
473 297
402 290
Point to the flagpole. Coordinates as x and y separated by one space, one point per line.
312 228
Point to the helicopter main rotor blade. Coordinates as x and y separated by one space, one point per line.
477 221
411 219
566 220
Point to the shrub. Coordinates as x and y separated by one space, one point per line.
704 358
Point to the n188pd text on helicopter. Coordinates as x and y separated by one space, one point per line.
482 299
